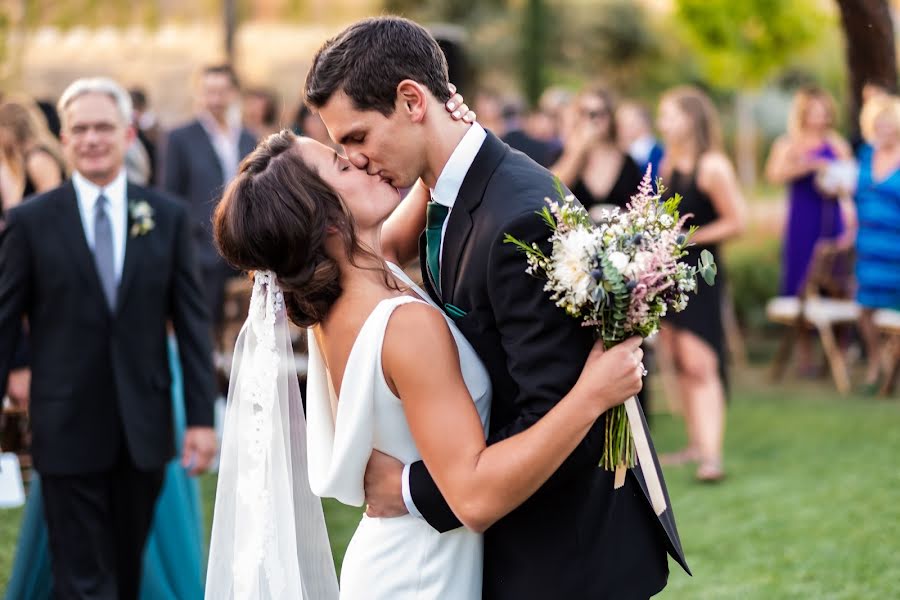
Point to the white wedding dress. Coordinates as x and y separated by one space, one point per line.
399 558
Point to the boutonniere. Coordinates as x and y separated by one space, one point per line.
142 221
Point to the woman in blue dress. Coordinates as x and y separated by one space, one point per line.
878 214
173 559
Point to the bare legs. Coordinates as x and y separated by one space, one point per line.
703 395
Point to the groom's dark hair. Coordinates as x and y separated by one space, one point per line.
370 58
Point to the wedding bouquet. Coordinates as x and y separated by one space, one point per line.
620 276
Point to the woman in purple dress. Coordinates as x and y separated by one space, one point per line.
809 146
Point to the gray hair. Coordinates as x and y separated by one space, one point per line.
96 85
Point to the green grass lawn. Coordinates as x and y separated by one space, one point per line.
810 508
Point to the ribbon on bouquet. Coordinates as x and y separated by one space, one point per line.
644 457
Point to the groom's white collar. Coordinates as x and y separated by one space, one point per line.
450 180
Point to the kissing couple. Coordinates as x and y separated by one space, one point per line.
465 413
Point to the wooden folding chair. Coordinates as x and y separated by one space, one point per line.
888 322
824 303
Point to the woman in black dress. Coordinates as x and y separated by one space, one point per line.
592 165
695 167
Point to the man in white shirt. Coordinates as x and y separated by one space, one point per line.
101 267
201 157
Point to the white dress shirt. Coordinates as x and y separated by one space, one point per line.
225 143
445 192
116 210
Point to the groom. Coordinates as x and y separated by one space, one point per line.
380 87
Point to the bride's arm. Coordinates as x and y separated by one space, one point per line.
483 483
400 233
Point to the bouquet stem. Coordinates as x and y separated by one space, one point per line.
618 443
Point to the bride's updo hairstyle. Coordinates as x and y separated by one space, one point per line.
274 216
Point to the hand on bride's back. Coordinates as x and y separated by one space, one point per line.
612 376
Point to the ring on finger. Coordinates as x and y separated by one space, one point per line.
643 369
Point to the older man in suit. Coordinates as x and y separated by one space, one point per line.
101 267
201 158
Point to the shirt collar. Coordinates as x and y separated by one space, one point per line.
214 130
451 178
88 191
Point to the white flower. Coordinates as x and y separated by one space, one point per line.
619 260
638 265
666 220
571 272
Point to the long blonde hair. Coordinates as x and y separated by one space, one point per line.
875 109
696 105
803 99
28 127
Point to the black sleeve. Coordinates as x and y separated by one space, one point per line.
545 351
15 289
192 329
545 348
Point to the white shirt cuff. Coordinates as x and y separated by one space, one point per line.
407 496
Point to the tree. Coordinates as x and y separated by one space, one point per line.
534 50
871 56
741 45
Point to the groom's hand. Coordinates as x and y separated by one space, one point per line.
384 486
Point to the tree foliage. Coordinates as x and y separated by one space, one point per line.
743 43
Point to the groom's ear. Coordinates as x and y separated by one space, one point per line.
412 99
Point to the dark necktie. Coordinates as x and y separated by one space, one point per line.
435 215
103 250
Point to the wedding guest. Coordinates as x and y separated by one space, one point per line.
695 167
635 127
878 217
100 267
146 125
488 106
870 90
173 558
553 110
309 124
30 155
810 145
201 157
260 112
592 165
515 134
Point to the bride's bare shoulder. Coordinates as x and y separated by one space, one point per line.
417 341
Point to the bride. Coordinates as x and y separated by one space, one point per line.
388 372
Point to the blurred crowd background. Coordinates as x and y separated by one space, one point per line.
793 101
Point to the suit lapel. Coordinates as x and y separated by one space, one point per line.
203 139
72 233
459 225
133 245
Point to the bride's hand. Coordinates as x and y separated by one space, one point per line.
457 107
611 377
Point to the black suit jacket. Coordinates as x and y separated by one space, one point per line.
99 376
576 537
192 172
